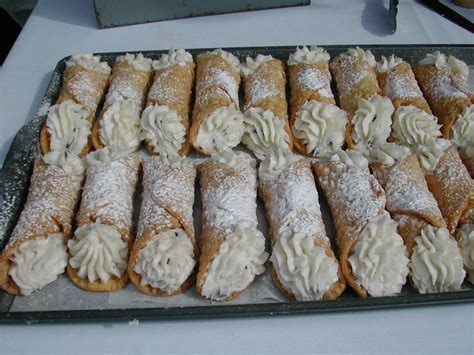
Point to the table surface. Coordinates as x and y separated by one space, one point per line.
55 31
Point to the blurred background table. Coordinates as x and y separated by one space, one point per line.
59 28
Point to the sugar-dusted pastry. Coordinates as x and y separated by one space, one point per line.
68 124
118 126
165 120
462 136
447 177
372 254
165 252
36 252
317 124
397 81
99 249
267 129
232 248
355 77
465 236
217 121
304 265
443 81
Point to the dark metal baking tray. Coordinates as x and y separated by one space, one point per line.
14 180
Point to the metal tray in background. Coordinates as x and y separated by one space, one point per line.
14 180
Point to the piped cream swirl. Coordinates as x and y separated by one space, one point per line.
174 56
251 64
138 61
351 157
442 62
69 162
465 237
163 129
387 154
413 126
305 55
302 267
386 65
120 127
222 130
89 61
379 260
237 160
321 127
463 132
231 59
98 252
240 258
38 262
166 261
366 55
68 126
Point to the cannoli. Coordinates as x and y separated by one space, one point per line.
317 124
69 122
372 254
304 265
397 81
165 252
266 112
447 177
165 120
462 136
443 81
99 248
355 78
118 126
465 236
217 120
36 252
232 248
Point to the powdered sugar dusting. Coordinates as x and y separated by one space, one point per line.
442 86
312 78
400 86
161 92
346 75
108 192
217 82
260 86
87 88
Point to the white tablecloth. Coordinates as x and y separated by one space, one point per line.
58 28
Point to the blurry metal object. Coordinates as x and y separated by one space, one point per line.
393 11
459 15
130 12
465 3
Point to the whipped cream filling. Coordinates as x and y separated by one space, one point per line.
366 55
321 127
303 268
251 64
163 129
166 261
138 61
413 126
388 154
371 124
38 262
120 127
275 163
174 56
231 59
89 61
98 252
430 153
436 263
264 133
351 157
240 258
463 132
222 130
104 156
385 65
69 162
379 260
465 237
68 126
237 160
440 60
305 55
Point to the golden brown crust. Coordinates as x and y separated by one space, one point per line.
301 94
469 163
444 94
211 93
450 184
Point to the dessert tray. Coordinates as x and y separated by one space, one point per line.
62 301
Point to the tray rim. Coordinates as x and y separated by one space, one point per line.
216 311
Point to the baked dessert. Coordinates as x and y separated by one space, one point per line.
317 124
99 249
232 248
69 122
462 136
165 120
165 252
217 120
304 265
36 252
118 126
